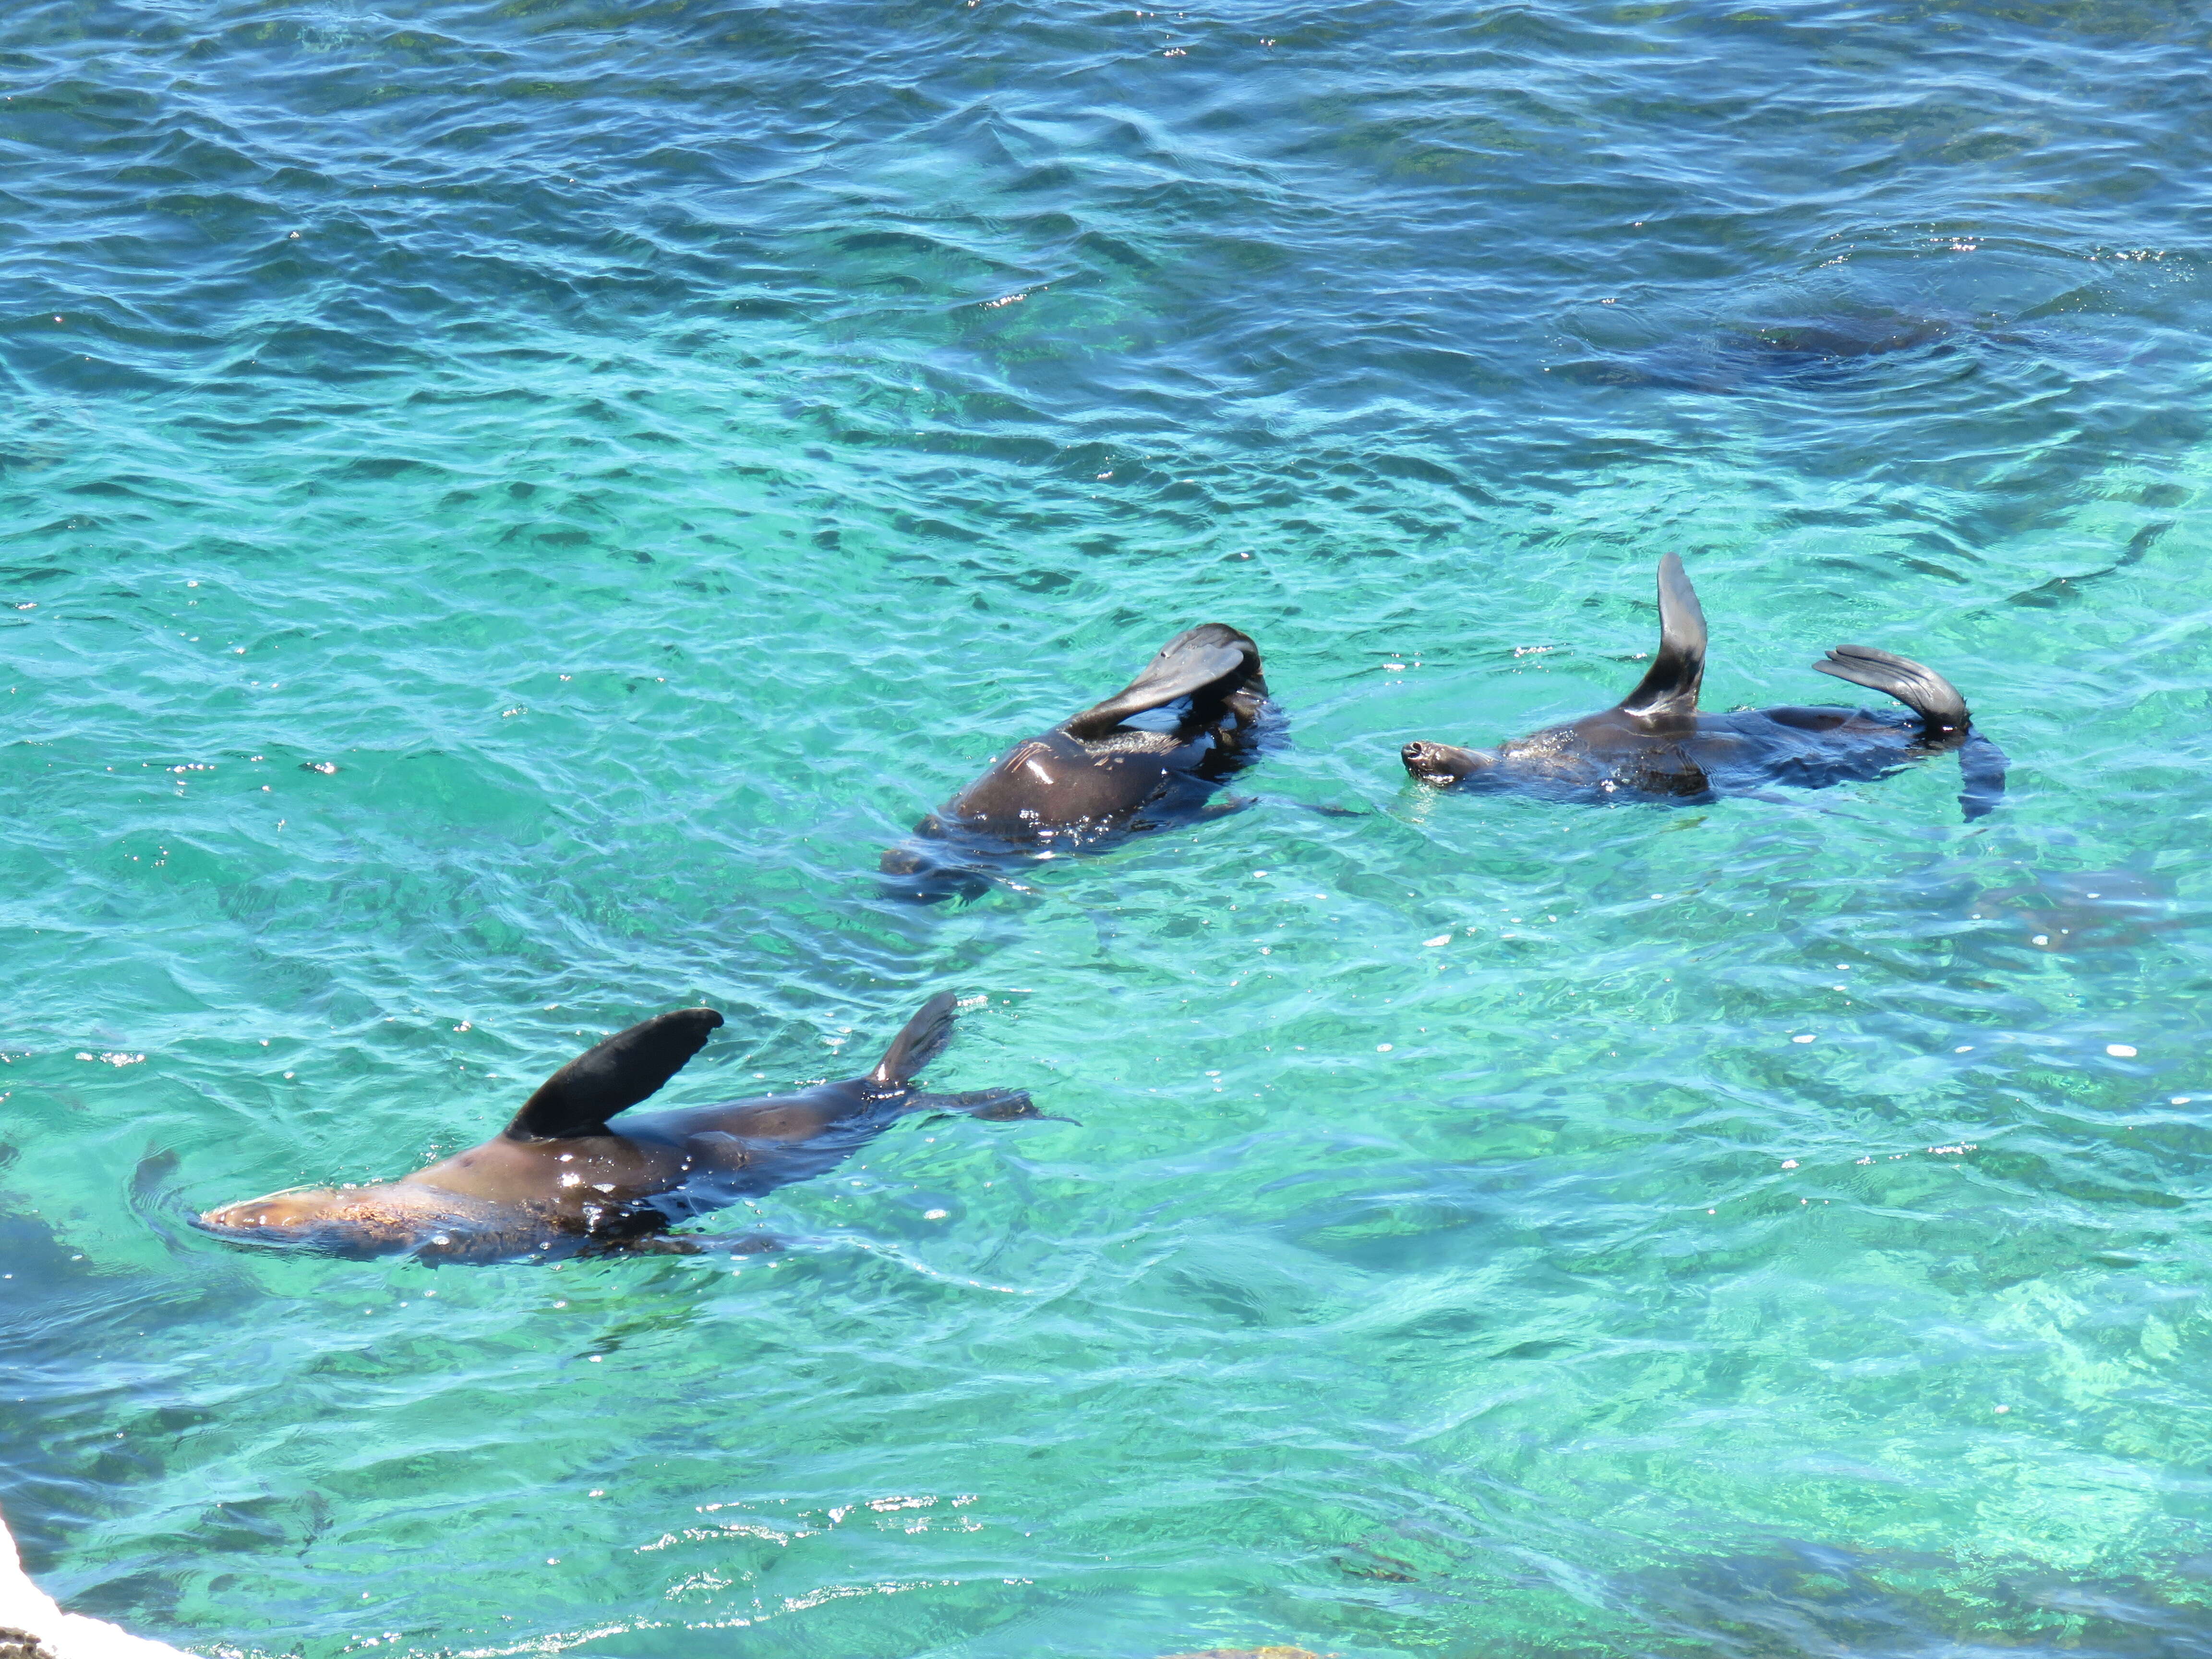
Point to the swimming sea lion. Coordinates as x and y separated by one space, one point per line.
558 1179
1097 775
1655 745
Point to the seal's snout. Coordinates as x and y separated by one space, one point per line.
911 873
357 1222
279 1217
1441 762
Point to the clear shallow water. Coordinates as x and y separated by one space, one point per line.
653 452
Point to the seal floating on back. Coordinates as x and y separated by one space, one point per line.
558 1179
1097 775
1655 743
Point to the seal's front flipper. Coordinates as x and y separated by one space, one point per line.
686 1244
922 1041
991 1105
650 1244
1670 685
1210 657
1919 688
146 1181
999 1106
150 1199
579 1097
1667 772
1982 769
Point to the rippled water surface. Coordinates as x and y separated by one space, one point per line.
509 507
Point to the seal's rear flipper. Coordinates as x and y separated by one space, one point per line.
922 1041
1210 657
1982 769
579 1097
1670 685
1920 689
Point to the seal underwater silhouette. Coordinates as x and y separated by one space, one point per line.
1655 743
558 1181
1791 350
1094 776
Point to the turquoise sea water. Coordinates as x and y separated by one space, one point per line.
509 507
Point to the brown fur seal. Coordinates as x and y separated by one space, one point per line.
1655 745
558 1180
1096 776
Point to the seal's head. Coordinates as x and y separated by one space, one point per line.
923 869
1441 763
354 1221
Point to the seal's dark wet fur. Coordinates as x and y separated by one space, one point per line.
1100 774
1655 745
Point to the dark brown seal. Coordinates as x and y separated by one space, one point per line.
1655 745
1098 776
558 1179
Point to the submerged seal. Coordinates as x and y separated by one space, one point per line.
1655 745
558 1180
1802 351
1097 775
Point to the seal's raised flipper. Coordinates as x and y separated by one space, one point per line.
1920 689
1670 686
1210 657
579 1097
922 1041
